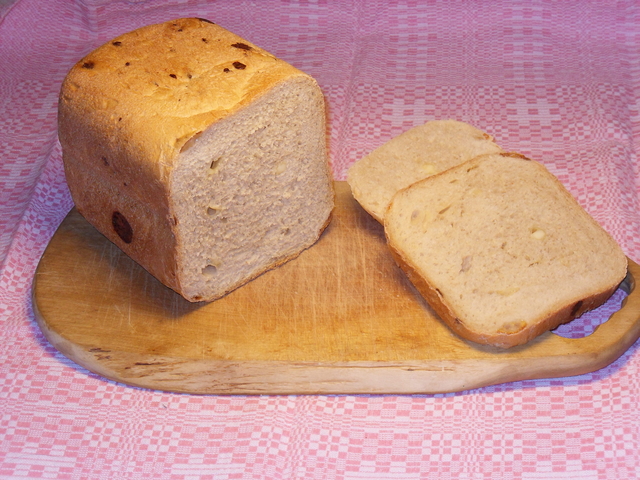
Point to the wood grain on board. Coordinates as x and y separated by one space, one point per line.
341 318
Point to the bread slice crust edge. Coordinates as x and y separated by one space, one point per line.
502 339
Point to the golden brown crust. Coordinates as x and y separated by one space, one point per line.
162 84
128 108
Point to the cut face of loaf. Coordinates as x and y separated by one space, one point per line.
416 154
199 154
253 190
501 250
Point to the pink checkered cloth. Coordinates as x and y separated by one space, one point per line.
556 81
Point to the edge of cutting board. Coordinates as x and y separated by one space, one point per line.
339 319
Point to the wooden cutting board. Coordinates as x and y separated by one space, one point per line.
341 318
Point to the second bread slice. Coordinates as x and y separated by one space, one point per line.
501 250
416 154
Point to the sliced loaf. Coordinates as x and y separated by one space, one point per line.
416 154
198 153
501 250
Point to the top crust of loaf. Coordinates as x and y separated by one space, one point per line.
206 73
417 153
501 250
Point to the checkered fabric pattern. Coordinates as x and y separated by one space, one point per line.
556 81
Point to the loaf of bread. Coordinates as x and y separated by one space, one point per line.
501 250
202 156
416 154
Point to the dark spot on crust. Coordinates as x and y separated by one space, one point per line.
88 64
127 64
239 65
205 20
241 46
514 155
205 40
173 75
121 227
105 161
197 298
116 44
576 307
226 70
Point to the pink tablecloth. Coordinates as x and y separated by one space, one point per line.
557 81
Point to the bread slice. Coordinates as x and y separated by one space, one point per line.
198 153
416 154
501 250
